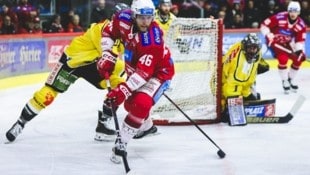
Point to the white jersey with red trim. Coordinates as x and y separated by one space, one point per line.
145 52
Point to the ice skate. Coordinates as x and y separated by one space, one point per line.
15 130
286 86
103 131
142 134
294 87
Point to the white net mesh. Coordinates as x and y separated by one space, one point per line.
194 47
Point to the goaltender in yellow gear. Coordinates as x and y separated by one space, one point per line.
241 64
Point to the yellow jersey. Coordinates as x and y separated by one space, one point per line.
238 75
86 48
164 25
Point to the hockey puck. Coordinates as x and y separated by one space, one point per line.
221 154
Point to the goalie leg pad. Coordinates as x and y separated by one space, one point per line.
236 111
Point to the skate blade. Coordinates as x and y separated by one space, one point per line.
294 90
148 135
104 138
7 142
115 159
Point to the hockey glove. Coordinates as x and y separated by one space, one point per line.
300 56
119 94
106 63
263 66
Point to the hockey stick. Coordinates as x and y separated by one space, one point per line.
220 152
113 108
288 51
280 119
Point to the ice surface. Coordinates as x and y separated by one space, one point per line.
60 140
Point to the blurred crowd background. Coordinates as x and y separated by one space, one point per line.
57 16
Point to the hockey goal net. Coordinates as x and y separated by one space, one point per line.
196 46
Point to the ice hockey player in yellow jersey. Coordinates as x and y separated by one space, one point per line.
79 60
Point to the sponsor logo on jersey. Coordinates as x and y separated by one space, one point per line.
53 73
63 80
146 38
124 25
285 32
157 36
128 55
49 98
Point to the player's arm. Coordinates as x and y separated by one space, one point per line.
106 63
300 38
266 27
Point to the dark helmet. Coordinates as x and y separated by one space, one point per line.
164 1
119 7
251 46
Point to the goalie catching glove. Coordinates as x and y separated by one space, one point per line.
119 94
106 63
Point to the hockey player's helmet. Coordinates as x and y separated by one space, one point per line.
165 1
143 7
293 6
251 46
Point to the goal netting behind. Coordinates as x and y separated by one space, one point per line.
196 46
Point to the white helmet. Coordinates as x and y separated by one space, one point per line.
293 6
143 7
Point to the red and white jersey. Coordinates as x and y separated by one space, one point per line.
145 52
278 24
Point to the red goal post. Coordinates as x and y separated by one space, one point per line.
196 46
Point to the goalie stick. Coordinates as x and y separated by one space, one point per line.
280 119
124 157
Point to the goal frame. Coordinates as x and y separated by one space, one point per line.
218 86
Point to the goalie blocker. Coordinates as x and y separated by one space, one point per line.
260 111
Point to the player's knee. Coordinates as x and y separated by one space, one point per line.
140 105
44 97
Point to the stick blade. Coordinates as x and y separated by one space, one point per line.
297 105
